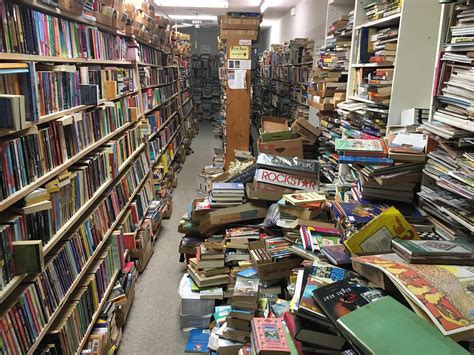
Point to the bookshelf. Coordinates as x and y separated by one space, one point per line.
113 134
446 191
411 85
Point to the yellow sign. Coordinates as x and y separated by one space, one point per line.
239 52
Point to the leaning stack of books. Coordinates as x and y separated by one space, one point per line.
384 44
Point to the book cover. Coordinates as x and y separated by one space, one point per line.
376 236
286 180
394 326
336 254
245 288
269 335
458 248
307 302
340 298
358 213
197 341
227 186
359 145
304 197
443 292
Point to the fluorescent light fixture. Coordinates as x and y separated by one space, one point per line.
194 17
223 4
264 6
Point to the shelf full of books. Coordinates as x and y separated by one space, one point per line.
447 191
282 77
329 82
385 35
74 158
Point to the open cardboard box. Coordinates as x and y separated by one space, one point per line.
306 130
264 195
239 23
284 148
122 311
274 129
220 217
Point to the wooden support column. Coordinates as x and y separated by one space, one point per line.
237 113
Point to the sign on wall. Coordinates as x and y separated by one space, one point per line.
239 52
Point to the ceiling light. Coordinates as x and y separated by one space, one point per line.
194 17
223 4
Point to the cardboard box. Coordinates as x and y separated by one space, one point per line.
245 212
276 270
72 6
306 130
238 34
239 23
197 215
299 212
285 148
274 129
122 311
262 194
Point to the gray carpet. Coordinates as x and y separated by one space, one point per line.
153 324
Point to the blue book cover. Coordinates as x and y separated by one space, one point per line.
197 341
345 159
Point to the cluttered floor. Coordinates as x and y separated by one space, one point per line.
153 324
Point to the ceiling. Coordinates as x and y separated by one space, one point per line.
275 10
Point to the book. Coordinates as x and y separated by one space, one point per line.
376 236
387 313
304 198
197 341
341 298
268 336
442 290
245 289
435 251
336 254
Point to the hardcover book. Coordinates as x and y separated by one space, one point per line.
360 145
269 336
456 252
394 326
376 236
197 341
340 298
245 289
301 198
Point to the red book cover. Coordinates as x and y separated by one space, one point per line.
269 335
290 324
129 240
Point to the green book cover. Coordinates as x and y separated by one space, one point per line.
387 327
435 247
363 145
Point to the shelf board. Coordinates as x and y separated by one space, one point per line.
157 106
86 267
42 58
97 312
18 195
383 22
341 2
158 85
93 200
372 65
11 286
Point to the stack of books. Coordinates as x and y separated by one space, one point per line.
384 45
244 305
363 151
377 9
225 194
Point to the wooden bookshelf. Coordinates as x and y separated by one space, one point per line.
158 85
50 59
97 313
18 195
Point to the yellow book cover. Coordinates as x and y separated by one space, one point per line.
164 163
376 236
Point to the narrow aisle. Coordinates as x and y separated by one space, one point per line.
153 323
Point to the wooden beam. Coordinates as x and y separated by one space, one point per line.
237 114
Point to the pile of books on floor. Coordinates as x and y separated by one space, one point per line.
222 194
297 271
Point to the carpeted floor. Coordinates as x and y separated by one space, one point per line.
153 323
